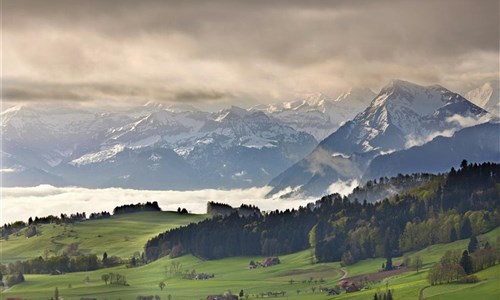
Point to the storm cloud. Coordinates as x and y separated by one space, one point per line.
240 51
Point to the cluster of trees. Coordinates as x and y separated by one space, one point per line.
388 295
132 208
216 208
221 209
8 229
51 264
446 227
70 261
99 215
375 190
114 278
458 266
14 278
441 209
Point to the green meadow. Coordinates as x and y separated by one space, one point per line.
296 275
119 235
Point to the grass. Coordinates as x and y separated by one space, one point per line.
120 235
123 235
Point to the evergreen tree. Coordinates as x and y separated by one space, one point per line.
466 262
388 263
389 295
472 247
56 294
466 229
453 234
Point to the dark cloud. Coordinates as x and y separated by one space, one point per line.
27 91
201 95
267 49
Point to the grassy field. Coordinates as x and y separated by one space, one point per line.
120 235
230 274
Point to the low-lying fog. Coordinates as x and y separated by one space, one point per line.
20 203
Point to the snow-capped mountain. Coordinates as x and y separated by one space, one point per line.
318 114
139 147
487 96
402 115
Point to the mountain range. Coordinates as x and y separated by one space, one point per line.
402 115
152 147
298 147
317 114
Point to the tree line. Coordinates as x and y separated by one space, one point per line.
443 208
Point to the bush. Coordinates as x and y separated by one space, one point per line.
469 279
15 279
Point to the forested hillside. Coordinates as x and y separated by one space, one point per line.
459 204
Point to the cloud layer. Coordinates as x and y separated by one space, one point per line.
43 200
221 52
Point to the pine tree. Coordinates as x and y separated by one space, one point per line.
466 262
453 235
56 294
466 229
472 247
388 264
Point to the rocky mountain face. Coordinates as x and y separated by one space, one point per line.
402 115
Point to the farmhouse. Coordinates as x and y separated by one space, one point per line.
270 261
349 286
56 272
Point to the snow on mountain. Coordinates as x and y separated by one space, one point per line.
487 96
212 147
317 114
402 115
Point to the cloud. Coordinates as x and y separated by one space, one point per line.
412 141
30 91
458 122
343 188
21 203
321 160
468 121
226 51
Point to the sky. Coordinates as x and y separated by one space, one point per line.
220 53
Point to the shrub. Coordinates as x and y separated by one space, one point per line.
469 279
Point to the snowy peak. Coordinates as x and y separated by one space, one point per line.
486 96
356 95
422 100
153 105
316 99
402 115
318 114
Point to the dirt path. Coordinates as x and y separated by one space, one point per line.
344 271
421 293
5 286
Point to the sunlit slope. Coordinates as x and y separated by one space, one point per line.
119 235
